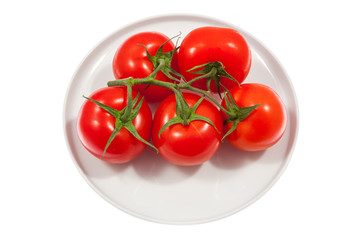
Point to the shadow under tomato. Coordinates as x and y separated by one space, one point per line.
292 126
151 166
229 157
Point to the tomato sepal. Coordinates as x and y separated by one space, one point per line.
212 71
241 113
194 116
167 70
184 111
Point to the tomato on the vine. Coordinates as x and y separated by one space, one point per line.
95 126
215 44
265 125
192 144
131 60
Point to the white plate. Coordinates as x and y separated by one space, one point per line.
151 188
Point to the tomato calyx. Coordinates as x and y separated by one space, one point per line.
123 118
186 114
211 71
167 57
240 113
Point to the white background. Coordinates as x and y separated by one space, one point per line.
42 195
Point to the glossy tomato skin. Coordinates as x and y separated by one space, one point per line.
265 125
130 60
187 145
95 126
211 44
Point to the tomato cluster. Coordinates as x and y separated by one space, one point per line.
115 123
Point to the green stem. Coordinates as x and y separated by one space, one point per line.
135 81
174 87
159 67
184 107
128 109
171 86
147 80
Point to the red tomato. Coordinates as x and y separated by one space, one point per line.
265 125
187 145
131 60
211 44
95 126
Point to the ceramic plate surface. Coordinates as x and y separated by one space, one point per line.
155 190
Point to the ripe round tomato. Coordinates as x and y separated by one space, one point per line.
187 145
131 60
211 44
95 126
265 125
